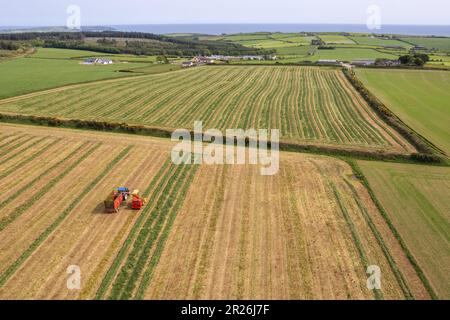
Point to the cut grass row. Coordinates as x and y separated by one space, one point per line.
147 237
224 97
5 221
5 276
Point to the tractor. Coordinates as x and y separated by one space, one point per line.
115 200
120 196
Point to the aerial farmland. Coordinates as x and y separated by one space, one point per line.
132 164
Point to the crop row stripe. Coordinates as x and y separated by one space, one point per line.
203 101
38 178
121 106
5 150
25 145
164 234
153 190
6 275
144 241
20 164
4 222
183 100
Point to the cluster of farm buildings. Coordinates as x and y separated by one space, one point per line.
200 60
361 63
97 61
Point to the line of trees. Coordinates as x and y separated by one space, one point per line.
134 44
416 59
9 45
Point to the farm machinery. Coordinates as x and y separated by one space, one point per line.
119 197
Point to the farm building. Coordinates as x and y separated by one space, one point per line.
363 62
260 58
203 60
328 62
97 61
187 64
387 63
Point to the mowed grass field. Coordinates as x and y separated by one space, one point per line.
351 54
442 44
53 53
379 42
307 104
416 200
214 232
420 98
24 75
335 39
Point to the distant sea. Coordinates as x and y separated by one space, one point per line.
217 29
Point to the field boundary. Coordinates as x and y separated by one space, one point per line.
121 127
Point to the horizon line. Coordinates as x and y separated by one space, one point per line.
224 23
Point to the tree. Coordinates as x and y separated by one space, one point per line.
424 57
406 59
418 62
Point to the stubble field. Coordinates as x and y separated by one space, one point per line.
207 232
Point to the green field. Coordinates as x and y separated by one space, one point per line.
350 54
295 50
416 200
52 53
379 42
268 40
32 74
307 104
420 98
430 43
335 39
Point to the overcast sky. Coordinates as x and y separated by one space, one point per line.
103 12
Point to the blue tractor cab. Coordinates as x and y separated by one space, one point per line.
124 191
